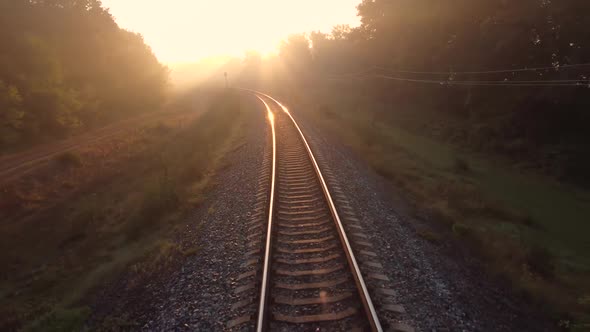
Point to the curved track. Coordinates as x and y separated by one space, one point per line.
310 279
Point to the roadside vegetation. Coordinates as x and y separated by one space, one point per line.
528 228
95 212
66 67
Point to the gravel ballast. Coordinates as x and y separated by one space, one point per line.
197 293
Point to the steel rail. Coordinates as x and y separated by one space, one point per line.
369 308
260 324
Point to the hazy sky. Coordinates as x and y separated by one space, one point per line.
186 30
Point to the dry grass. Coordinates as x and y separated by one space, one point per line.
116 208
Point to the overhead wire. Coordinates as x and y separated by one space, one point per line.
497 71
526 83
490 83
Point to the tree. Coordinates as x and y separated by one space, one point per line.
71 67
295 52
341 31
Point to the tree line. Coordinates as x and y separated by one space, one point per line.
426 40
65 65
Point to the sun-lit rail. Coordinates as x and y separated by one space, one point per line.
265 277
310 274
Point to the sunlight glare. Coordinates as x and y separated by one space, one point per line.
188 30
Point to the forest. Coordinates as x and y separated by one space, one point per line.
66 67
505 77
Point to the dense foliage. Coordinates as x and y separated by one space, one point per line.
66 65
438 41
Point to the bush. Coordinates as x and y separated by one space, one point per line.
47 93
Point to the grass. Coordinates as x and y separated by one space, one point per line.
121 207
525 226
59 320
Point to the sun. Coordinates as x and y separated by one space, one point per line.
188 30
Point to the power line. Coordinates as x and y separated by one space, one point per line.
366 74
490 83
538 83
499 71
454 73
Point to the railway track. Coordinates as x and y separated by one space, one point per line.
310 277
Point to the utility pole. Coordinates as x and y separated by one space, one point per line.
225 74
